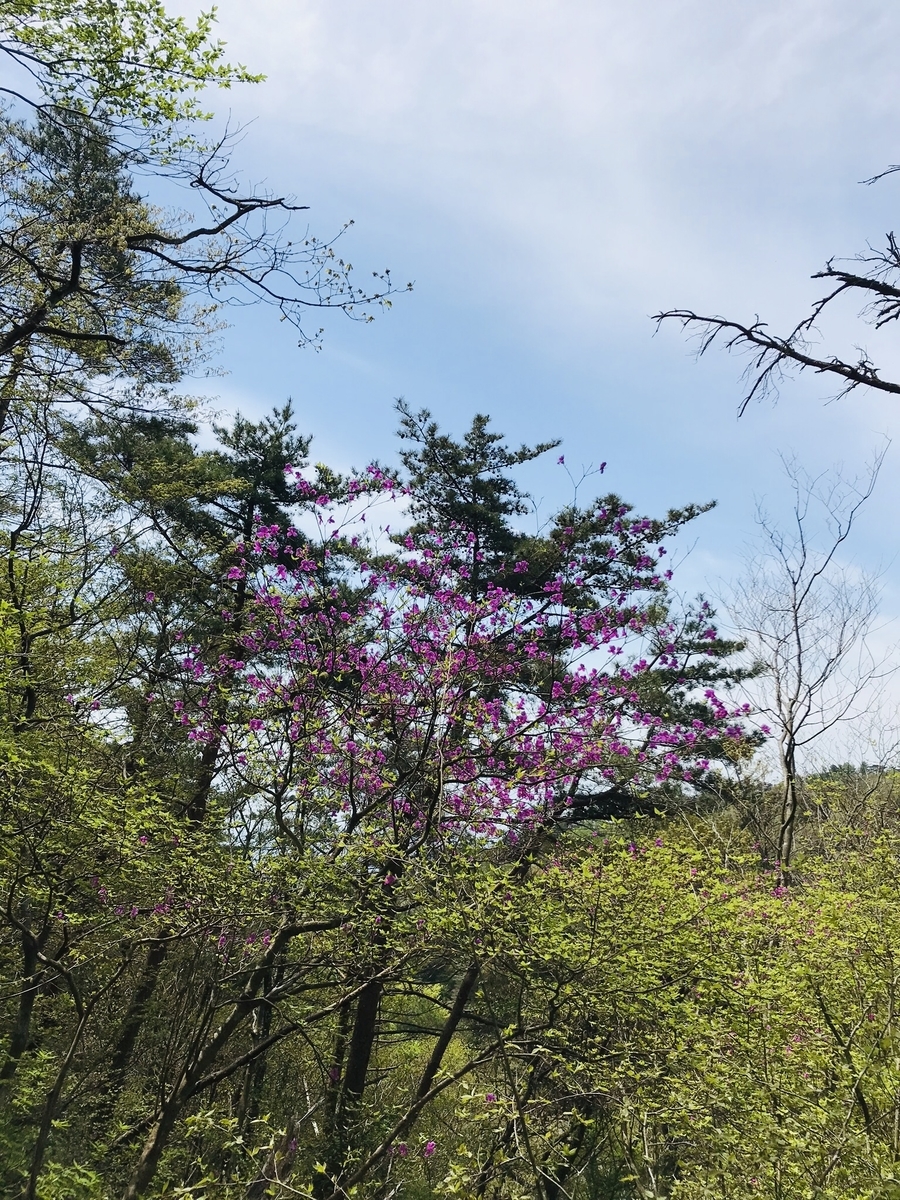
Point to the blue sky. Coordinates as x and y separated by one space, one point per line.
550 174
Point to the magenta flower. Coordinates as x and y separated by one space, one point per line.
419 660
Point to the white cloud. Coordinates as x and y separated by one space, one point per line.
553 172
588 157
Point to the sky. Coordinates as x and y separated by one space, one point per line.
550 174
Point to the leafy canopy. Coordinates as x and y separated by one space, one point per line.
123 60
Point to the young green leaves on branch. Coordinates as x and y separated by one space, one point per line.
105 295
127 61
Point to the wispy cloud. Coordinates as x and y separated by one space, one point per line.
552 173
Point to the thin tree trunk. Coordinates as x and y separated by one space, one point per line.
359 1055
789 805
366 1021
255 1075
21 1030
136 1014
8 388
362 1042
51 1104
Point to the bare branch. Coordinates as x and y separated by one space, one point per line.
770 354
807 616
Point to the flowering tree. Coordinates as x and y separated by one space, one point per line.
293 789
419 706
305 885
388 734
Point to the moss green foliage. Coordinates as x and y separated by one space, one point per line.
203 997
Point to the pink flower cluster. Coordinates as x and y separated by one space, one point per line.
378 692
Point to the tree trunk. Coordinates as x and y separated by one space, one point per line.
137 1012
789 804
21 1030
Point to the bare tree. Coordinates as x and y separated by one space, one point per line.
807 616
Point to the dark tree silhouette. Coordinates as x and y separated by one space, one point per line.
871 278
